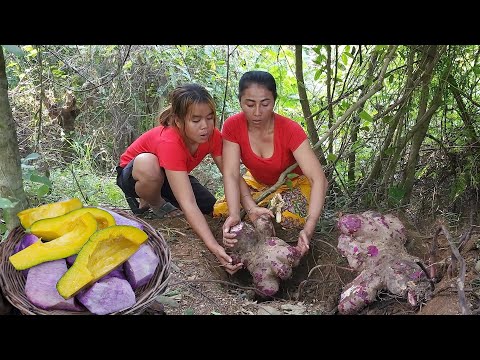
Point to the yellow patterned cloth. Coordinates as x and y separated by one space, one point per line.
295 194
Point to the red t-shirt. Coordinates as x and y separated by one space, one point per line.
172 153
287 137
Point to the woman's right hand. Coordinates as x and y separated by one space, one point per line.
228 237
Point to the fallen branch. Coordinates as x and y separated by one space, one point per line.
462 300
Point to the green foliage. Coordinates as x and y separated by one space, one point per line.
289 182
331 157
7 203
92 188
14 49
396 193
35 184
365 116
459 186
121 89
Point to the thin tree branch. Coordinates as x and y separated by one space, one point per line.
462 300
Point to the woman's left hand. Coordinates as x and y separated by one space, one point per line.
258 211
303 244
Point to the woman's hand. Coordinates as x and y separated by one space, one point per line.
257 211
226 261
303 244
228 237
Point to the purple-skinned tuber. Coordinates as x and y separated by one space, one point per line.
374 245
268 258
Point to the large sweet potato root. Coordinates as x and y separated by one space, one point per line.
374 245
268 258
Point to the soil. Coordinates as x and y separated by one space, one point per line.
198 286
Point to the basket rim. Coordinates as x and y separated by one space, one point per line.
12 281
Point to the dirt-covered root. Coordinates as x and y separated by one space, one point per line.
374 245
268 258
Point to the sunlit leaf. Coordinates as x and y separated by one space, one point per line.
396 194
40 179
289 184
128 65
6 203
42 190
317 49
331 157
14 49
365 116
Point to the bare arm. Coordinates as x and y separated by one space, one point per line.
312 169
231 177
181 187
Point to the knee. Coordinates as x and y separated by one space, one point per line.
146 168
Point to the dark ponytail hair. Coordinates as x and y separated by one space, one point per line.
262 78
181 100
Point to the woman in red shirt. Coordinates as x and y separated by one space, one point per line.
155 167
267 144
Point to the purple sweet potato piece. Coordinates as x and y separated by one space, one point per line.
140 267
40 287
71 259
122 220
26 241
107 296
117 272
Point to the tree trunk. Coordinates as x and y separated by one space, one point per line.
307 114
395 124
417 139
11 183
356 119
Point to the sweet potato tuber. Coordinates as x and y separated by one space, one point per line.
26 241
268 258
141 266
109 294
40 287
374 245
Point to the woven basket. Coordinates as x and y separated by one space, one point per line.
12 281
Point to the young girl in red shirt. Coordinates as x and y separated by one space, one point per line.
155 167
267 144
